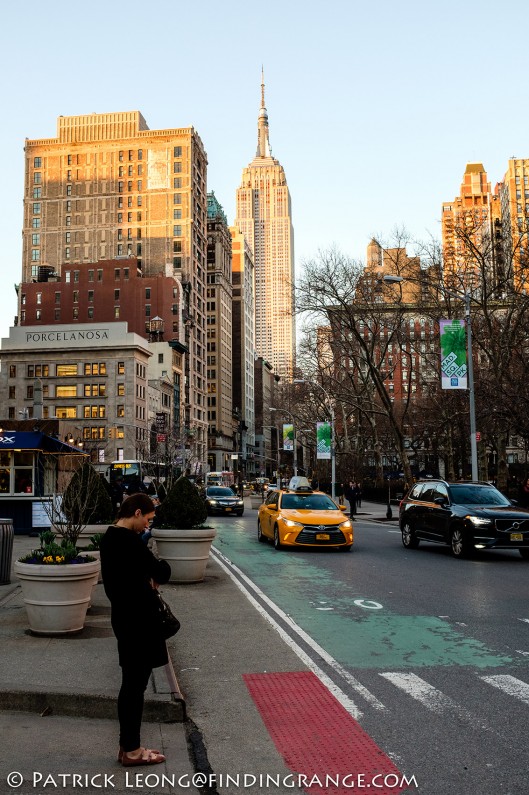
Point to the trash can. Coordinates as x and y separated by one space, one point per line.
6 550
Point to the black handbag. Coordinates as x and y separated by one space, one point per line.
169 624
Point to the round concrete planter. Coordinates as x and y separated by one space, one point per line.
186 551
56 597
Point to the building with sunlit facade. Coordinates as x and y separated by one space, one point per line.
264 216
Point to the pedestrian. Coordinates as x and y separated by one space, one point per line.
523 494
116 494
350 495
358 494
131 573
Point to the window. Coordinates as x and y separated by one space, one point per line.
177 198
177 214
68 220
95 368
35 223
177 182
37 193
65 412
67 252
36 208
29 391
121 389
75 296
140 154
121 368
37 178
12 371
177 230
147 310
90 296
66 391
116 295
177 167
160 358
116 313
99 275
12 393
35 254
38 314
94 412
37 162
68 237
139 201
68 190
69 206
177 152
147 293
120 410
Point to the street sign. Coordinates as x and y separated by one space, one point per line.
161 437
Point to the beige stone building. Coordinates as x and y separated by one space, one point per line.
108 188
264 216
95 376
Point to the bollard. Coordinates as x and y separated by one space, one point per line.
6 550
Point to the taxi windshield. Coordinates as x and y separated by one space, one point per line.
308 502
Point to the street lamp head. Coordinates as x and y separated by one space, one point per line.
299 381
390 278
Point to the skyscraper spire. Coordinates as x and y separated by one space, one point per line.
263 142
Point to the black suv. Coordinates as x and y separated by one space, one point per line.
466 515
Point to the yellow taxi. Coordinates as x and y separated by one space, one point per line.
302 517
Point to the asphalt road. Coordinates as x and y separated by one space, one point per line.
429 653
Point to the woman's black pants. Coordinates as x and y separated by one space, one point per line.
135 677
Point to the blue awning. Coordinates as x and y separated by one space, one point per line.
34 440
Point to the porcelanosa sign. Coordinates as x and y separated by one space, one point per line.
73 335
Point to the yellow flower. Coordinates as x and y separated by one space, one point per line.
48 559
59 558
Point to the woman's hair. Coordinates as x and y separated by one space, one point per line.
130 505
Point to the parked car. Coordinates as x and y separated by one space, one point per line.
303 517
465 515
221 499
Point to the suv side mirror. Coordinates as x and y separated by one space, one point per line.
441 501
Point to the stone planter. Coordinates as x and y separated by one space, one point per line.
56 597
186 551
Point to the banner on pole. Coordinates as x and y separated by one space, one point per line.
288 437
323 440
453 354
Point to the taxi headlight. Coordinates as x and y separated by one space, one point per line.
291 523
347 525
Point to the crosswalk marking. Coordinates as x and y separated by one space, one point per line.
510 685
421 691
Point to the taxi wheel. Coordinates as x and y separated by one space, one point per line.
260 536
277 542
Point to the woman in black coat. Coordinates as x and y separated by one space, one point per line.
130 574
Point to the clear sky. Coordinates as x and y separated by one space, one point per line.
374 107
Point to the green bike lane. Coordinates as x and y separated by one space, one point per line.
354 626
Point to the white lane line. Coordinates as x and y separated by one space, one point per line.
346 702
524 619
510 685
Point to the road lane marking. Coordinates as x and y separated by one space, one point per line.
510 685
368 604
231 569
426 694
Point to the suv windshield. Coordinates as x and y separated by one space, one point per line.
311 502
471 494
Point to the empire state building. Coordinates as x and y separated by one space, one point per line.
264 216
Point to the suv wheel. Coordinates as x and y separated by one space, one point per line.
409 539
277 542
260 536
524 552
458 543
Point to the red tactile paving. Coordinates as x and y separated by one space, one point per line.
318 738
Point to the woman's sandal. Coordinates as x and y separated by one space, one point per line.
121 752
147 757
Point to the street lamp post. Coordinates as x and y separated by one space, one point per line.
331 412
295 451
466 296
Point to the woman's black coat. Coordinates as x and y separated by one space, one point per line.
127 567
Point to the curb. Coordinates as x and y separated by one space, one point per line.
87 705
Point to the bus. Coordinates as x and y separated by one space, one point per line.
218 479
130 470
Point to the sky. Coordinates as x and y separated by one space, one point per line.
374 108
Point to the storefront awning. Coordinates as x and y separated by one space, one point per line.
34 440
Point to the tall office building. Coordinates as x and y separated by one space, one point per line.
467 228
264 216
108 188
